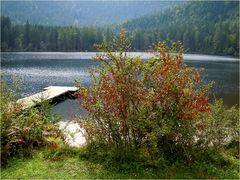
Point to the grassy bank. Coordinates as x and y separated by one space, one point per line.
78 163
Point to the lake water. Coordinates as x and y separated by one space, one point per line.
39 70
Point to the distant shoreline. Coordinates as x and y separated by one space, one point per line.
144 55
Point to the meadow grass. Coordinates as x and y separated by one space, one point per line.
72 163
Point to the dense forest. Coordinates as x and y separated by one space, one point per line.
30 37
203 27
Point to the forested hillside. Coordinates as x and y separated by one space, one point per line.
30 37
203 27
79 13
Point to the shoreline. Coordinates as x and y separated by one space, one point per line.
144 55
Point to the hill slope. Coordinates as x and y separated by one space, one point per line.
204 27
79 12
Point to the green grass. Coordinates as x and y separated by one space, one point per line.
66 167
76 163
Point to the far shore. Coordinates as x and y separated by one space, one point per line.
144 55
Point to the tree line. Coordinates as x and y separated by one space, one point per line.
28 37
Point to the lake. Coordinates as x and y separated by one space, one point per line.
37 70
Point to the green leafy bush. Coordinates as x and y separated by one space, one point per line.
24 130
219 127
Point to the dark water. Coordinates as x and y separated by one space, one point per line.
39 70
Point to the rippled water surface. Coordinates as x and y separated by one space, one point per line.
39 70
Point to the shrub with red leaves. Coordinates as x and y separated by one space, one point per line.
133 102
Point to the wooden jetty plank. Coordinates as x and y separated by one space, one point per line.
69 88
74 133
48 94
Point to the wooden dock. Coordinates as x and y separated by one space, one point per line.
49 93
74 133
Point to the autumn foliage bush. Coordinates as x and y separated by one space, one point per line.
22 131
151 105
